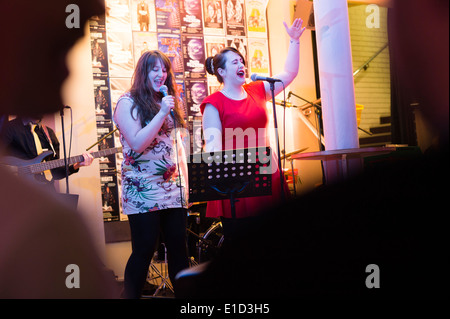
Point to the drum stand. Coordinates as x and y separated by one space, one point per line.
163 274
203 242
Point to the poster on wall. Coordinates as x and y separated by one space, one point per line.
196 92
170 44
214 22
143 42
99 51
119 86
193 56
256 18
214 45
102 98
121 60
168 16
235 17
118 15
213 85
181 93
258 57
110 198
240 44
107 142
143 15
97 23
195 133
187 31
108 172
191 16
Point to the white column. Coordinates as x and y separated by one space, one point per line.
336 74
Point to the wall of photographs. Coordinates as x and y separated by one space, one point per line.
187 31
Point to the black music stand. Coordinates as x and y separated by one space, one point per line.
230 174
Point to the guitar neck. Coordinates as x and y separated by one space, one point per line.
37 168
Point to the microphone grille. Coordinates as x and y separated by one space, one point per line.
164 90
254 77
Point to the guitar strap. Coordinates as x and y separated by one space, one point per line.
48 138
48 174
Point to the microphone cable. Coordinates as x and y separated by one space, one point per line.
284 126
164 90
178 159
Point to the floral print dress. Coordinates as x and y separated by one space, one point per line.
151 180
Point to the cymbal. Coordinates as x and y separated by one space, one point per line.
288 104
294 152
195 203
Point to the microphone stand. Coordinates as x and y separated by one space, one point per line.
319 116
272 89
61 113
319 119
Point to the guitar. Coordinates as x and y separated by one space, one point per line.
37 165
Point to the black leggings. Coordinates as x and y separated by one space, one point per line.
145 229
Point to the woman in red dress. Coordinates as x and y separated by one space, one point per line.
236 117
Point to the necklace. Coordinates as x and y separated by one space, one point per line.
242 95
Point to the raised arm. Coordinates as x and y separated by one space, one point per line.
292 63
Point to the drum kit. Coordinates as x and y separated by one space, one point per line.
205 235
225 175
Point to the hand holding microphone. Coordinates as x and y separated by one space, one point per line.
167 101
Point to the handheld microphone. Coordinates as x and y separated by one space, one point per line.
256 77
165 91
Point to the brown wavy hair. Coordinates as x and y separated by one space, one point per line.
146 100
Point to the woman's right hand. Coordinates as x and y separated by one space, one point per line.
167 104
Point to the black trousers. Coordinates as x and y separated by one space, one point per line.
145 229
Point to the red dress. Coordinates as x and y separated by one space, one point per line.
249 115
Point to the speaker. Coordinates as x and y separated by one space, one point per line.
304 9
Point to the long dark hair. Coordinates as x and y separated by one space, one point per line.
214 63
146 99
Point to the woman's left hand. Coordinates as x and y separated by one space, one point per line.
295 31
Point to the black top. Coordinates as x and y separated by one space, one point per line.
19 141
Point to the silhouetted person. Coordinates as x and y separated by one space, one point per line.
41 238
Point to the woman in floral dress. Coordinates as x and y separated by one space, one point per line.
154 171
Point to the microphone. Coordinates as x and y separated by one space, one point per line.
256 77
165 91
